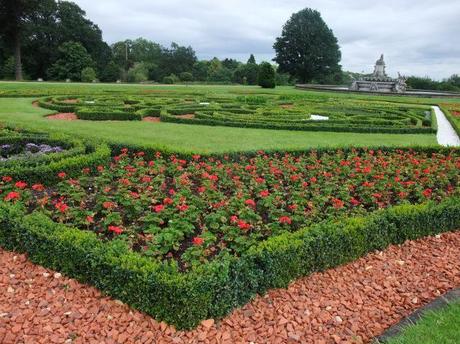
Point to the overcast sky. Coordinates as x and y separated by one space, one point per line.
418 37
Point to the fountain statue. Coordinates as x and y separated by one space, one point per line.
379 81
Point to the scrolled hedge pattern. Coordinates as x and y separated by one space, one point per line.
261 111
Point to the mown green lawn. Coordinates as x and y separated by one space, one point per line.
202 139
440 327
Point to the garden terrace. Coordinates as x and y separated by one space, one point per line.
254 111
188 239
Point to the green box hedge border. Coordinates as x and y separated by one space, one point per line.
81 154
215 289
452 120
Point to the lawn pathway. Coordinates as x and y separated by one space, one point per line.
349 304
446 134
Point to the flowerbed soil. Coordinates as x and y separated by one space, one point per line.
349 304
151 119
189 212
67 116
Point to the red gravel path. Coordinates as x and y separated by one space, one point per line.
68 116
349 304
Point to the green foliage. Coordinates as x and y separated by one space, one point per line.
8 69
73 59
266 75
138 73
246 74
88 74
111 72
426 83
186 76
283 79
307 48
171 79
106 114
252 59
51 25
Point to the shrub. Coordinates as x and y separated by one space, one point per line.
88 74
266 75
169 80
186 76
138 73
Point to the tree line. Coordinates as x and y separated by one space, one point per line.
54 40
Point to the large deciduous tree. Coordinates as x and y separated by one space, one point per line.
307 48
53 23
14 16
73 58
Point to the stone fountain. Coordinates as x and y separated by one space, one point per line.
379 81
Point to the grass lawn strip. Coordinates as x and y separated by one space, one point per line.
436 323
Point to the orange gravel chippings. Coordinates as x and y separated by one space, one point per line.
349 304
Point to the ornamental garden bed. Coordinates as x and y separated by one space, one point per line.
38 157
263 111
190 238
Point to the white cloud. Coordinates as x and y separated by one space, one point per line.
418 37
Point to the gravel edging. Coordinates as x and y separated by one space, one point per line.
439 303
352 303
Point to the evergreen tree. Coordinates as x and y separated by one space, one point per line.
252 59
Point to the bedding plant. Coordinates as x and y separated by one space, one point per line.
187 212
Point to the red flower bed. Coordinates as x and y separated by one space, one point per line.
193 210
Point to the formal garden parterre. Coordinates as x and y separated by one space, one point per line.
288 112
186 236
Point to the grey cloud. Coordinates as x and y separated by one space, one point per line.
418 37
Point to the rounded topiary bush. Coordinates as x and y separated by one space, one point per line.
267 75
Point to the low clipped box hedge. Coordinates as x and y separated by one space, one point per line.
214 290
101 114
44 168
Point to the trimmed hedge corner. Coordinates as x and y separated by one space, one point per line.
215 289
44 168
